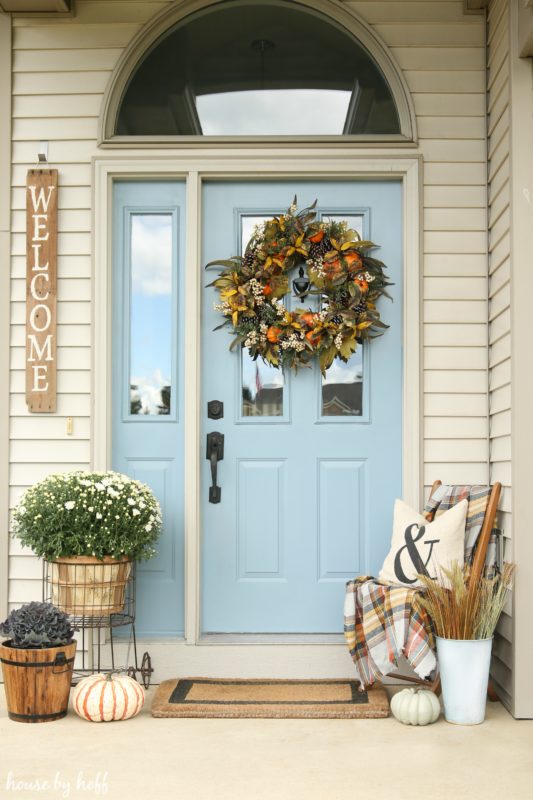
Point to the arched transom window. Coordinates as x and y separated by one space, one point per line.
257 69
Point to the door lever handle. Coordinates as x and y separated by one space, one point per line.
215 453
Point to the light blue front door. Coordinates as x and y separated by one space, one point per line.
311 468
147 378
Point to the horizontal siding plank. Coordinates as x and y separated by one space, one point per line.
455 473
500 301
499 229
68 221
71 174
459 243
455 405
44 83
447 335
440 127
422 34
440 58
466 265
31 427
455 381
499 204
500 449
449 105
455 311
500 375
503 650
450 288
458 358
25 568
502 675
499 179
456 428
501 471
436 81
455 150
454 197
54 451
59 152
374 11
500 326
53 128
455 219
455 450
25 591
505 627
500 350
500 399
500 277
109 11
66 60
500 424
459 174
28 474
63 105
82 37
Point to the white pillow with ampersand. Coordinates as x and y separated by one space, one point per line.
422 547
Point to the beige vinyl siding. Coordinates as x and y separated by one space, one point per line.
498 98
60 70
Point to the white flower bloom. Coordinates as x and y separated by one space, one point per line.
131 501
135 512
91 509
69 505
148 528
98 515
22 510
100 487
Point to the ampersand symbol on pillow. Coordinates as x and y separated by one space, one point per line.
417 560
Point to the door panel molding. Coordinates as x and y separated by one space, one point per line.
195 166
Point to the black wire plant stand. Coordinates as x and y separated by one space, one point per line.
100 599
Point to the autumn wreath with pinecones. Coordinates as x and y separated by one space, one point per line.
347 281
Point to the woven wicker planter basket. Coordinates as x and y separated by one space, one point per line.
88 586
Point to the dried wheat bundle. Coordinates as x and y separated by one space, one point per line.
466 610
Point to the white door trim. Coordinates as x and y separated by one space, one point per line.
195 167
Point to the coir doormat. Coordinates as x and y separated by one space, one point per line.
317 699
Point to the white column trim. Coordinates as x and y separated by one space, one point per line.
197 167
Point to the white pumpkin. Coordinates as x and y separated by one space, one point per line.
106 698
415 706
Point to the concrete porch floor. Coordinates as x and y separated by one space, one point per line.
204 759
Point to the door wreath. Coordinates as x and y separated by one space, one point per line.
346 279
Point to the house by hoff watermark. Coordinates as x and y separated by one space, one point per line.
79 785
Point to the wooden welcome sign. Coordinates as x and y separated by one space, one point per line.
41 289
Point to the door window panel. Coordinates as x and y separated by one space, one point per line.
150 324
262 386
342 387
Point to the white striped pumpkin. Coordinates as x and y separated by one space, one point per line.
106 698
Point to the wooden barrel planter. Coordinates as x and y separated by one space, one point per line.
37 681
88 586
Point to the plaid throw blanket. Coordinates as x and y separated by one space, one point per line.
383 622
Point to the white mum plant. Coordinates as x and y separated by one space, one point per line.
89 514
